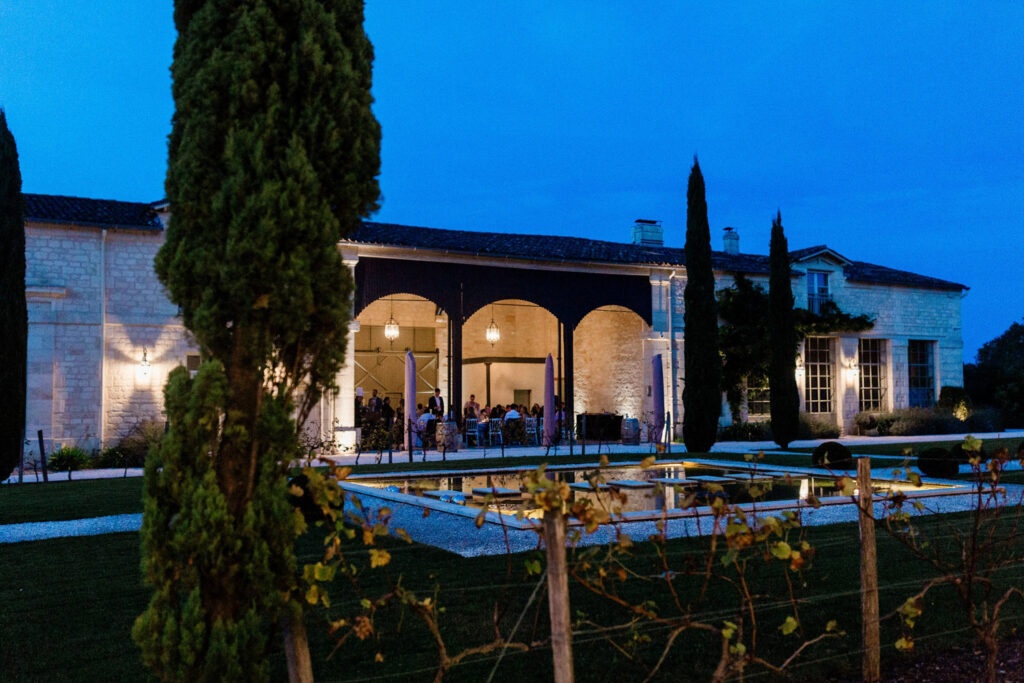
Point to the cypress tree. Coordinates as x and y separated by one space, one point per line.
273 157
13 312
785 399
702 392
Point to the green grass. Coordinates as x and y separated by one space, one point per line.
76 499
69 605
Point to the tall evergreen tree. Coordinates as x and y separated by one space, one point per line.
785 399
273 157
702 392
13 313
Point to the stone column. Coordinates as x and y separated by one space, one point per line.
455 399
344 401
899 377
567 355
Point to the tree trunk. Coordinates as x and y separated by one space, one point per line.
296 648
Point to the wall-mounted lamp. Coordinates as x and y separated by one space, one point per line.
144 366
799 369
852 371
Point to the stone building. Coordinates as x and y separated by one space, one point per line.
480 311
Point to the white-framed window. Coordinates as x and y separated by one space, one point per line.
817 290
818 375
759 400
921 373
871 360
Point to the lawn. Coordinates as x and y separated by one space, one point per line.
76 499
69 606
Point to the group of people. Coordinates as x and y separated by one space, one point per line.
378 410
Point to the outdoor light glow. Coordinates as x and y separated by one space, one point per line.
853 372
492 330
142 372
391 330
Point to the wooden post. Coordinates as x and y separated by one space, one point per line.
558 596
42 455
868 573
21 460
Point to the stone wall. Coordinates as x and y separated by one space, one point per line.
610 365
87 384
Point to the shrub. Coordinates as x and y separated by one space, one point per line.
747 431
817 428
376 437
913 421
955 401
833 454
109 458
135 445
67 459
937 462
865 421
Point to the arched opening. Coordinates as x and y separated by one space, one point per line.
388 328
508 367
611 375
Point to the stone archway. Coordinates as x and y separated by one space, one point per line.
512 368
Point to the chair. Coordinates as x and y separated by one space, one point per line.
531 430
494 429
470 432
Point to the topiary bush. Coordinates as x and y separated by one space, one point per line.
962 455
832 454
955 401
938 462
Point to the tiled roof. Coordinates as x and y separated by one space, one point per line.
858 271
111 213
556 248
50 208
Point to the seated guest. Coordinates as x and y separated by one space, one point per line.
512 413
485 414
472 409
536 410
497 412
425 426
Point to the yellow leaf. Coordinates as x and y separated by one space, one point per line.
905 645
648 462
788 626
782 550
295 490
604 460
312 595
262 301
378 658
379 558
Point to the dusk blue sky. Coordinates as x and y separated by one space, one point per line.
893 132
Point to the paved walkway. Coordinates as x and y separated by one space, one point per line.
93 526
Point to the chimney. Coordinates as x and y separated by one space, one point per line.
731 241
647 232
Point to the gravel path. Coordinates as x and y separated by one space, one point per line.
38 531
